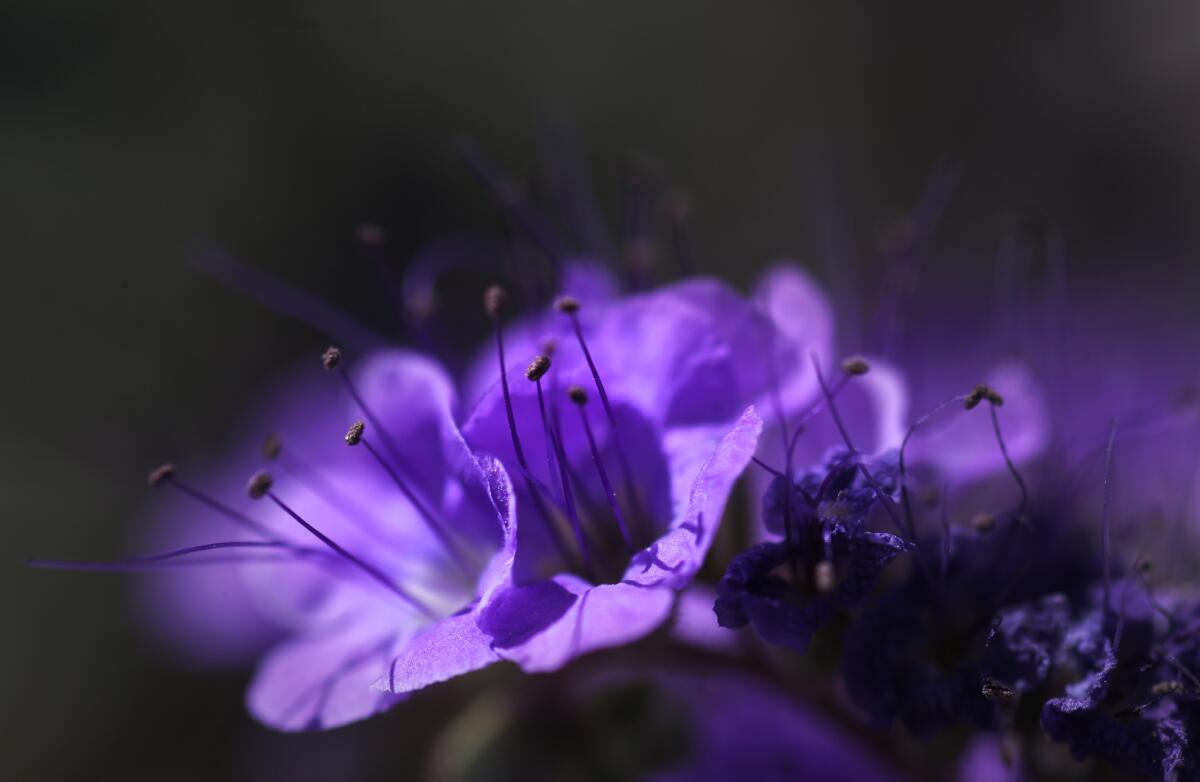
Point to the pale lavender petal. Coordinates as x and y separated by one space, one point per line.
322 681
600 617
694 622
449 648
803 316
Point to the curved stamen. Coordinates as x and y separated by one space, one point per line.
579 397
260 486
994 400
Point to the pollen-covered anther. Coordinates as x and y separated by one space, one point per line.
979 394
1170 687
998 692
567 304
825 576
260 483
161 474
983 522
538 368
354 434
331 358
578 395
272 446
494 299
855 366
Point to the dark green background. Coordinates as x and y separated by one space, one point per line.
129 131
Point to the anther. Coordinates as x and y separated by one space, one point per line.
997 692
331 358
983 522
494 299
538 368
980 393
272 446
160 475
549 346
855 366
824 576
577 395
1172 687
568 305
260 483
354 434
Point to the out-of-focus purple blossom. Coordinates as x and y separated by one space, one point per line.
599 564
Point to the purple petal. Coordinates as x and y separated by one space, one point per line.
804 318
703 471
600 617
319 682
450 648
517 614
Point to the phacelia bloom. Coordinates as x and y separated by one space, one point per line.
624 445
367 562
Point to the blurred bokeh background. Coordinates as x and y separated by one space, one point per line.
131 132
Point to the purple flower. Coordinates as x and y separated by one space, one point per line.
366 564
623 458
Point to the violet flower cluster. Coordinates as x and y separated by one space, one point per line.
389 521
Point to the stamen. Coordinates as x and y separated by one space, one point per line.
1106 552
579 397
537 369
855 366
151 560
260 486
494 299
884 500
272 446
167 475
981 393
569 306
354 436
563 470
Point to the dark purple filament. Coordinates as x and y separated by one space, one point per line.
168 557
568 495
609 493
422 510
372 571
